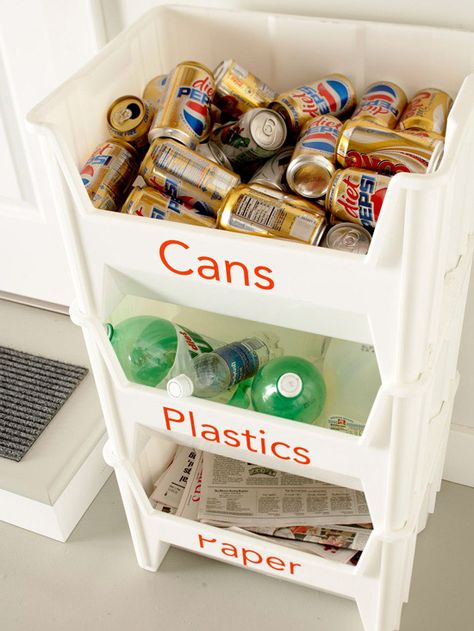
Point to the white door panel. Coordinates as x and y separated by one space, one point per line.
41 43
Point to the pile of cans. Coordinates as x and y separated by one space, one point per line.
223 150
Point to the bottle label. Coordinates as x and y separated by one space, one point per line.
195 343
346 425
244 358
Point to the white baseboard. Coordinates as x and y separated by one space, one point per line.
459 465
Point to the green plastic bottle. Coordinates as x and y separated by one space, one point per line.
149 349
290 387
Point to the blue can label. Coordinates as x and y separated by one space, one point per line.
244 358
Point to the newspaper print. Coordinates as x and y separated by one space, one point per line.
170 486
243 494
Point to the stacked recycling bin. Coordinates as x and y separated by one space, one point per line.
406 297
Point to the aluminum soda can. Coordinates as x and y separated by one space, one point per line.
357 195
349 237
108 172
154 90
333 94
185 108
382 103
149 202
427 111
129 118
368 146
268 213
238 90
258 134
212 151
272 173
184 174
314 157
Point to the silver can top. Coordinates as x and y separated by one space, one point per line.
267 128
349 237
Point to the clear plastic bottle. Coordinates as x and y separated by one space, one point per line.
150 349
352 380
290 387
224 368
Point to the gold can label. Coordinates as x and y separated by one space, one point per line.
334 95
185 108
356 195
428 111
238 90
382 103
184 174
129 119
264 212
149 202
368 146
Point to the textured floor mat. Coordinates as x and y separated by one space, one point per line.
32 390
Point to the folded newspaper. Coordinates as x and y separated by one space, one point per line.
329 521
239 493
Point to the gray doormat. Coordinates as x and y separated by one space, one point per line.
32 390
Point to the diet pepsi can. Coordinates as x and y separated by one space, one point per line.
109 172
356 195
185 108
382 103
184 174
333 95
264 212
149 202
314 157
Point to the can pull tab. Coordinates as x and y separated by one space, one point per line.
131 111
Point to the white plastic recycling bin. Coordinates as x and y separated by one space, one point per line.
406 296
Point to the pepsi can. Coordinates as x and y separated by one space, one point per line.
184 111
382 103
313 162
149 202
357 195
108 172
184 174
334 95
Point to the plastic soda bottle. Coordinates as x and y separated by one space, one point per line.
352 380
229 365
151 349
290 387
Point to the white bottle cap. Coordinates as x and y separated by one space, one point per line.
180 386
290 385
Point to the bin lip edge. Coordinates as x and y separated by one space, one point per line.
34 114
